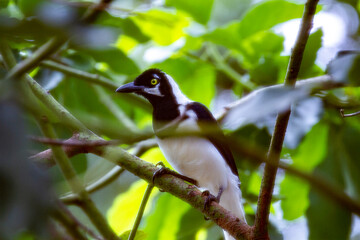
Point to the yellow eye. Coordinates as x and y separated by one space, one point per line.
154 81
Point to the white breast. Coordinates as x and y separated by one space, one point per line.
197 158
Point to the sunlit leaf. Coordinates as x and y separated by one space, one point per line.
164 28
200 10
122 214
154 156
164 221
274 12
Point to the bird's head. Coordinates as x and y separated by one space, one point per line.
156 86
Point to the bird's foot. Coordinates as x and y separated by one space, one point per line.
164 170
210 198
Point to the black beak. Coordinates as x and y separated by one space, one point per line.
129 88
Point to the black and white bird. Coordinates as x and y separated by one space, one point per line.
202 157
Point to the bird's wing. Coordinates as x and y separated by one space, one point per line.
215 135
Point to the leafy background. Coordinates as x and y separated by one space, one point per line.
217 51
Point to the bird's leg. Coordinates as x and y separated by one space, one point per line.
164 170
211 198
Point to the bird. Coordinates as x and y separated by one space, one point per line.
203 156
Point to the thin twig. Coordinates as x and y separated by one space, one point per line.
93 78
141 211
268 181
96 79
122 118
109 177
33 61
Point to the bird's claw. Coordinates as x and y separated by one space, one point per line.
208 199
164 170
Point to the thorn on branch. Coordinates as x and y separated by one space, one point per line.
349 114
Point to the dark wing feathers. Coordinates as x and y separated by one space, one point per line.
217 136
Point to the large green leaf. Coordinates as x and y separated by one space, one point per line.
200 10
267 14
308 62
115 59
261 17
350 161
260 45
127 26
164 221
122 214
309 154
162 27
327 220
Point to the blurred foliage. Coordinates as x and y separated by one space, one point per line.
217 51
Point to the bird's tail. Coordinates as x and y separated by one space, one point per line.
231 200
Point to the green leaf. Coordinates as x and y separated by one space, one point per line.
127 26
326 219
274 12
312 150
345 68
195 79
115 59
122 214
310 53
162 27
191 221
260 45
267 14
164 221
266 72
351 163
200 10
309 154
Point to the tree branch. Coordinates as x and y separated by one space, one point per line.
72 225
268 181
93 78
74 182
